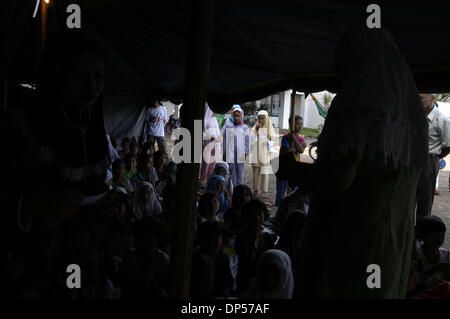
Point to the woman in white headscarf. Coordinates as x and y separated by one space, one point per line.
274 279
211 133
146 202
261 135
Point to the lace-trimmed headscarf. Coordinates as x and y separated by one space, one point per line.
378 108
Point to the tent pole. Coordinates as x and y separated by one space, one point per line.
293 95
44 7
196 79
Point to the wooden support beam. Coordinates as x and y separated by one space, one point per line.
196 80
293 96
44 7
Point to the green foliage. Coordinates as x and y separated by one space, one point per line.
309 131
249 108
265 107
327 98
442 97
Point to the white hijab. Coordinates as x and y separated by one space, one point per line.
280 259
211 126
152 208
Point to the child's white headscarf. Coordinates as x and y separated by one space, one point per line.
280 259
211 126
152 208
268 126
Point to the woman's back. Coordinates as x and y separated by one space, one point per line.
371 222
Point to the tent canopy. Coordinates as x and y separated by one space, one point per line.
258 48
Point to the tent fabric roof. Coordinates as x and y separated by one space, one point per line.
258 48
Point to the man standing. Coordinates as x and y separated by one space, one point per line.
438 147
155 121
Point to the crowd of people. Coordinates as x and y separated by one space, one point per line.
76 197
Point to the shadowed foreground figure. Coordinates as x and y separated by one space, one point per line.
371 152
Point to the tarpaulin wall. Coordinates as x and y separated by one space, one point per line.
123 112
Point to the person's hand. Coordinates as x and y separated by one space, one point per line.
257 126
70 202
109 205
291 136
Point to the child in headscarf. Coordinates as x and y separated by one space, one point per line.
217 184
146 201
261 134
236 145
211 134
274 279
223 170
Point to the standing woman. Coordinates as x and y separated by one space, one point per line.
211 133
63 149
261 134
371 153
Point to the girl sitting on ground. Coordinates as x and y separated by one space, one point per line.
223 170
119 179
217 184
145 172
209 243
130 163
208 207
160 162
145 274
147 203
126 145
251 242
274 278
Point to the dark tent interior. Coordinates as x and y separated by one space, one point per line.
258 47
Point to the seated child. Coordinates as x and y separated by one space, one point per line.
145 274
432 260
217 184
209 244
130 163
208 207
145 172
119 179
126 145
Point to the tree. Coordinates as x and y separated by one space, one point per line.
442 97
327 98
249 108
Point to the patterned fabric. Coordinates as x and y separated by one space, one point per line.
378 109
286 144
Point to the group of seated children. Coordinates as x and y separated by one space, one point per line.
237 254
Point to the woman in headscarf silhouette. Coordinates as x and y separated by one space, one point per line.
371 152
